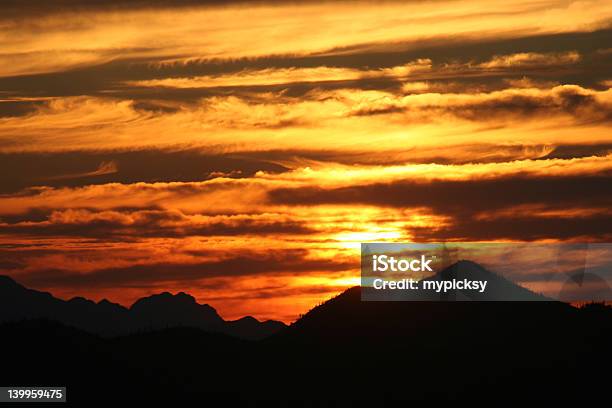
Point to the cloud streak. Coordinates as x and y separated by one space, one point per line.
241 151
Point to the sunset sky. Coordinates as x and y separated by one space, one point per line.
241 151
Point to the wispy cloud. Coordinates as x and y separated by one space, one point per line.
244 149
104 168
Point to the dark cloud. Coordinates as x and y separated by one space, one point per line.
111 76
277 262
465 202
446 196
21 170
585 108
521 227
155 107
38 214
12 108
571 151
459 48
9 265
569 100
140 224
459 154
24 9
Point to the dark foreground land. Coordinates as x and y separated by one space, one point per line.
344 352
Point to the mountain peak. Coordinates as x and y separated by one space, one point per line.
166 298
250 327
465 266
466 263
247 319
7 281
82 301
499 288
159 311
165 309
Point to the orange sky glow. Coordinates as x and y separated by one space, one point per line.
241 152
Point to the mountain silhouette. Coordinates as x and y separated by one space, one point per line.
498 288
110 319
167 310
347 316
344 352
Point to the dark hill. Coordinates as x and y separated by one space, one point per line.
345 352
248 324
348 317
110 319
168 310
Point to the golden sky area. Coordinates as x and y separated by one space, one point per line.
241 151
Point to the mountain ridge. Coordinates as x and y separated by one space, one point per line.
164 310
439 349
106 318
349 315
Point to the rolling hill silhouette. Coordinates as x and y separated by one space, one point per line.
346 318
344 352
110 319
